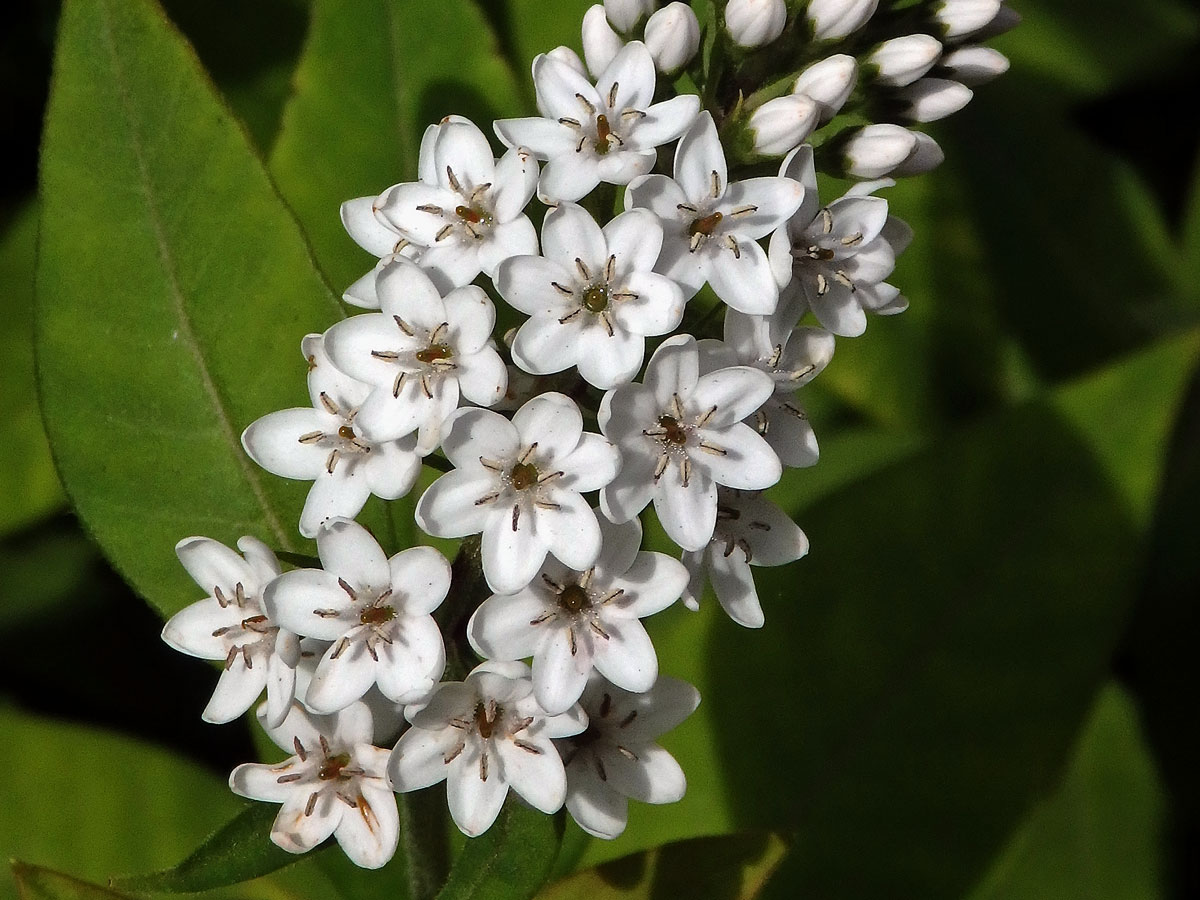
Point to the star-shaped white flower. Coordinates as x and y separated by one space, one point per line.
232 624
570 622
681 434
833 259
418 355
467 210
751 530
616 758
792 358
375 612
593 298
483 736
711 227
593 133
520 484
320 445
335 784
371 231
387 716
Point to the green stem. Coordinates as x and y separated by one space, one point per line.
425 842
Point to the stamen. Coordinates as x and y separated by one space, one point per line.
732 244
312 803
528 747
612 95
516 515
627 753
345 586
403 326
685 471
483 766
311 437
716 184
288 779
233 653
566 120
822 285
332 461
569 316
704 419
487 498
552 584
587 104
328 403
744 210
628 720
713 449
562 289
453 754
610 267
491 464
454 185
826 220
425 386
246 656
583 269
443 233
605 705
398 384
300 751
853 239
432 208
340 648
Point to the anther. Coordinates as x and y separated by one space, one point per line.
628 719
431 208
311 437
403 326
345 586
583 269
288 779
454 185
328 403
312 803
300 751
612 95
562 289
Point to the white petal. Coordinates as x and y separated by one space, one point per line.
419 758
516 180
839 310
347 549
191 629
366 228
402 210
448 508
774 201
212 564
501 627
592 464
559 87
673 369
544 345
511 556
658 307
744 280
422 576
791 437
652 583
631 73
559 675
281 686
297 833
471 317
634 238
627 494
261 782
666 705
664 122
236 690
536 774
660 195
472 433
362 292
350 344
689 269
748 463
654 777
571 532
596 807
340 681
553 422
291 598
340 494
506 240
463 148
779 256
619 547
527 283
700 160
547 138
370 832
451 264
627 658
570 233
734 586
733 394
688 514
569 177
474 803
415 659
392 469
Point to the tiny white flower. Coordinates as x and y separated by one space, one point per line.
418 355
231 624
520 482
570 621
467 209
335 784
960 18
753 23
875 150
930 99
780 124
832 259
751 530
387 716
828 83
483 736
568 57
673 37
320 445
600 43
974 66
617 758
902 60
711 227
834 19
374 611
681 434
603 132
625 14
593 298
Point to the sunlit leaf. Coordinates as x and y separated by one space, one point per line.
509 861
37 883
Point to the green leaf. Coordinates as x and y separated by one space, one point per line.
734 867
173 290
238 851
372 77
1097 836
45 568
532 27
510 861
30 489
37 883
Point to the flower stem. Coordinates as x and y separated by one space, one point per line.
425 842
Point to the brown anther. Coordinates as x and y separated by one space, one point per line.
300 751
628 719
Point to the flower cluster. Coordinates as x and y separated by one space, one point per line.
556 438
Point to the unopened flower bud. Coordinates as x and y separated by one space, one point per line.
833 19
781 124
600 43
903 60
828 83
875 150
959 18
925 157
625 14
568 57
975 65
752 23
931 99
673 37
1006 20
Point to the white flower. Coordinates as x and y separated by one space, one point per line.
320 445
711 227
593 298
570 621
605 132
483 736
751 530
753 23
925 157
680 435
931 99
520 484
904 59
829 83
960 18
780 124
387 716
375 612
467 209
616 758
875 150
974 65
231 624
568 57
418 355
600 43
832 259
793 358
834 19
371 231
625 14
673 37
335 784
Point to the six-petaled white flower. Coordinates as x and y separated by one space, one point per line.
711 227
321 445
593 133
335 784
231 623
375 612
751 530
617 758
681 434
570 622
520 482
418 355
593 297
483 736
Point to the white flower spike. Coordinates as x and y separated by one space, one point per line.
603 132
374 611
570 622
680 435
617 758
593 298
335 784
418 355
520 484
231 624
483 736
711 227
321 445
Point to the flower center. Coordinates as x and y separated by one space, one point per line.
523 475
705 225
333 767
574 599
485 720
435 353
595 298
474 214
675 432
377 615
